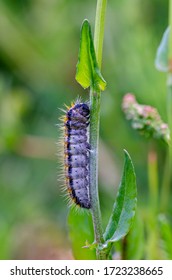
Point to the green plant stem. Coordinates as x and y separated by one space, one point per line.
168 164
165 195
99 29
94 139
153 203
153 179
94 130
169 90
170 24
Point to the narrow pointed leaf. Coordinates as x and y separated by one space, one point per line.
81 233
125 205
161 61
87 70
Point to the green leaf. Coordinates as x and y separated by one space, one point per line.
161 61
81 234
125 205
166 235
87 70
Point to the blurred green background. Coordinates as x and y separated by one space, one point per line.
39 41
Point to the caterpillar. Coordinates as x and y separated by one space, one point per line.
76 153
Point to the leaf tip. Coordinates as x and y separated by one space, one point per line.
126 154
85 24
85 21
161 60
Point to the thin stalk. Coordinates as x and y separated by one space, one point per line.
168 164
170 24
152 248
94 139
99 29
165 194
153 179
169 91
169 78
94 130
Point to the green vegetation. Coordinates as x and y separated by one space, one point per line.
38 53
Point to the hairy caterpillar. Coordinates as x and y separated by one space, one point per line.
76 153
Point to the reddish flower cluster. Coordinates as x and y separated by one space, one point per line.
145 119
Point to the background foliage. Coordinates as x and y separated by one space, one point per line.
39 41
